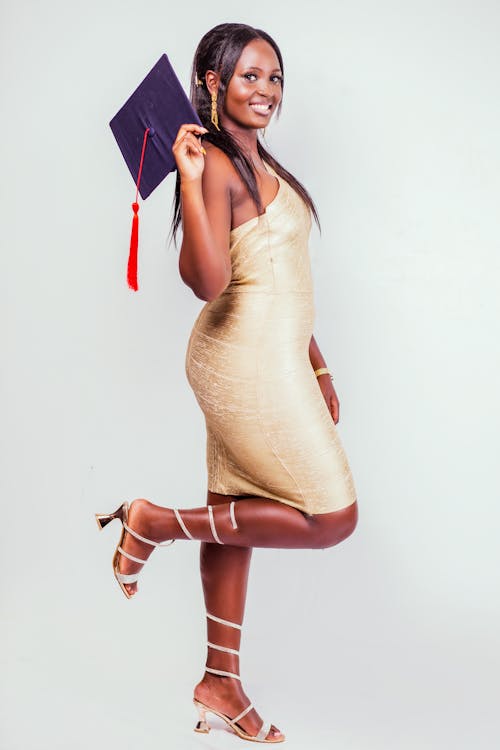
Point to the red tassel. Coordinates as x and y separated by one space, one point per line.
134 236
134 242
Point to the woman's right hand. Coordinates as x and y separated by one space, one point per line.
188 151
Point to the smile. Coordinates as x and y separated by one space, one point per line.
263 108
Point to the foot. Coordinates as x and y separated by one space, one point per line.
227 696
139 519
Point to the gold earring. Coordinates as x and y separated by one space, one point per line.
215 116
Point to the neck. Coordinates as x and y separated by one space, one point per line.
246 138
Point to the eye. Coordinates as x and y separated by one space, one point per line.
253 77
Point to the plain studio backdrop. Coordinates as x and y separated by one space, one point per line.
390 640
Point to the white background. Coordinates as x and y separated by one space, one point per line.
391 118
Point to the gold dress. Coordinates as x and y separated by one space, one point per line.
269 430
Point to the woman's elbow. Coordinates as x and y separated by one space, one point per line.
207 289
211 292
207 283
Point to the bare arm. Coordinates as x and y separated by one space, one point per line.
315 355
324 381
204 262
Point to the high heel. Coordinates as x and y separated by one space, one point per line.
121 514
202 724
104 518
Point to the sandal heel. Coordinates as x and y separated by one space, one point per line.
202 724
104 518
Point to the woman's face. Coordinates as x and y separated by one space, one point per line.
254 91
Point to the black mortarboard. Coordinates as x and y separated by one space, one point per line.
145 129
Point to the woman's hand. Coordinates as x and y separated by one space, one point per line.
188 151
328 391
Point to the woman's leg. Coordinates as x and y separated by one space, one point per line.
224 574
260 522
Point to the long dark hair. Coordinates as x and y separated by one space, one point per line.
219 50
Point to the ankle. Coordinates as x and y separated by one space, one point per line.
150 521
140 518
221 684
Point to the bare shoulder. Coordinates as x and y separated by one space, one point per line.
216 160
219 169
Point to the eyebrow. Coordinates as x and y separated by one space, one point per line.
255 67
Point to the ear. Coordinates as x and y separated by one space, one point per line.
212 80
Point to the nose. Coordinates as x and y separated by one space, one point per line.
265 88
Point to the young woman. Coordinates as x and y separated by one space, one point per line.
278 475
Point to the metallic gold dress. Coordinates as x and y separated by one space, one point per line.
269 430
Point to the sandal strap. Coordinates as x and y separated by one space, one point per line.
126 577
182 524
231 513
143 538
130 557
224 648
263 731
212 525
224 622
222 672
242 714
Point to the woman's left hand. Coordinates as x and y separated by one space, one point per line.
328 391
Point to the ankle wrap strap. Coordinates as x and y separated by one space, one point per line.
212 525
130 557
188 533
227 650
223 648
182 524
231 513
223 673
143 539
224 622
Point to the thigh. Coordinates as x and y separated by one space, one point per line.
216 498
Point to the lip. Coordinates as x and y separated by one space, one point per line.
261 108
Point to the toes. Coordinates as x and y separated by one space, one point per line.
274 732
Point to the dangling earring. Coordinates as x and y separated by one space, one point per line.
215 116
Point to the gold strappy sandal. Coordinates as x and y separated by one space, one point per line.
203 726
121 514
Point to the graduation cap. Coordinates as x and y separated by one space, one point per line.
145 129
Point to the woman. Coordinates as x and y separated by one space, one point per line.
277 472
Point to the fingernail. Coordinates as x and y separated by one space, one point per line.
203 150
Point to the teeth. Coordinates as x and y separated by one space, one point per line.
262 107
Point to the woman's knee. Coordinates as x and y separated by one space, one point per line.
332 528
